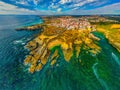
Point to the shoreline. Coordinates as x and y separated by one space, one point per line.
112 35
52 36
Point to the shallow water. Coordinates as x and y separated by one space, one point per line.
100 72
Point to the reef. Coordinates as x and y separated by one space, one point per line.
56 32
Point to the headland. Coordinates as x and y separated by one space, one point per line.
67 32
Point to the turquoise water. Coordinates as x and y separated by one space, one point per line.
100 72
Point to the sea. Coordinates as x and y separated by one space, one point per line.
98 72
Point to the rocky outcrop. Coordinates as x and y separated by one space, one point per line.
40 48
34 27
52 36
112 33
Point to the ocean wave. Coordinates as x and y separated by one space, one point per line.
116 58
102 82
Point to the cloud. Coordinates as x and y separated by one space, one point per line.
68 4
59 10
71 4
76 2
109 9
83 3
23 2
98 3
65 1
53 7
6 8
36 2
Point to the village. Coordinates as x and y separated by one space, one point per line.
71 23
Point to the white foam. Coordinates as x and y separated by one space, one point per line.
116 58
102 82
23 43
17 41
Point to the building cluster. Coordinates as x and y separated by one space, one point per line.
71 23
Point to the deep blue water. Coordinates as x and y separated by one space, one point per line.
12 51
10 38
100 72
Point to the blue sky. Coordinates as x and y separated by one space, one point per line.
58 7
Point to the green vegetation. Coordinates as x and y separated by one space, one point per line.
112 33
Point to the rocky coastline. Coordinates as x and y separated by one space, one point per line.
31 28
52 36
112 34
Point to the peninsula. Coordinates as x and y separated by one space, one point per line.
68 33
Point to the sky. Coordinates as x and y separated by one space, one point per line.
60 7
